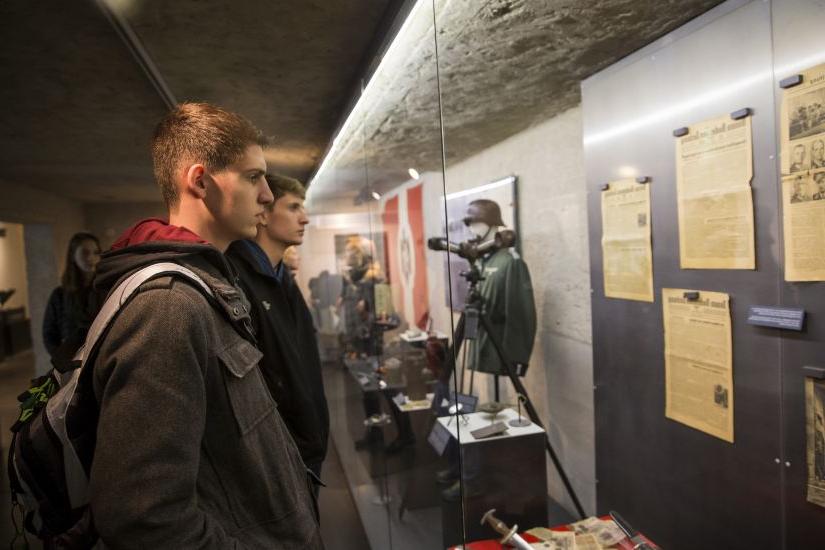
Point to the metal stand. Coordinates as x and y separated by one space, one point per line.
467 329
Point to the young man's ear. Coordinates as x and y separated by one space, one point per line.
195 180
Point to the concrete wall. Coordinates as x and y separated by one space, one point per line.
109 220
13 265
548 161
24 204
41 276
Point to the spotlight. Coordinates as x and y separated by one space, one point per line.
376 195
414 173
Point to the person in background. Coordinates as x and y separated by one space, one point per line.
292 261
73 305
291 364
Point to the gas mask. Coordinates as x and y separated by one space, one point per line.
480 230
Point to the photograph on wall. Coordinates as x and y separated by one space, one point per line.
815 435
714 168
402 216
803 123
803 218
699 360
626 253
503 193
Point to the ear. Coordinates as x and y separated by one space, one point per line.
194 180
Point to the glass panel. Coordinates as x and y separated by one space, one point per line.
375 202
797 46
496 192
336 259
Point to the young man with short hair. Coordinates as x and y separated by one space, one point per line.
191 450
283 322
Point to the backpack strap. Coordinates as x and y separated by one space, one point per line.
123 292
57 407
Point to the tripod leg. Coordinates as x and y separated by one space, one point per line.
452 352
531 411
464 369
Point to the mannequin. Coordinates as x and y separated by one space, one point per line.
507 293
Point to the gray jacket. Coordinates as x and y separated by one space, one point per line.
191 450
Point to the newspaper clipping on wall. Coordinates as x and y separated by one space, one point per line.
815 431
803 207
699 360
803 123
626 252
714 168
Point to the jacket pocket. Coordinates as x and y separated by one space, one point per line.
248 395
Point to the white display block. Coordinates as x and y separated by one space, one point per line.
474 421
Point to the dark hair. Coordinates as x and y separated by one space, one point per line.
198 132
72 279
281 185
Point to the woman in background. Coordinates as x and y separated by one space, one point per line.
72 305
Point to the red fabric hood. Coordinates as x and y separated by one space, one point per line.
155 229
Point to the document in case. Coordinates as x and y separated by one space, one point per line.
714 168
815 431
626 252
802 123
803 217
699 361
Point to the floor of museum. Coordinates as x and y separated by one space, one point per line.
341 527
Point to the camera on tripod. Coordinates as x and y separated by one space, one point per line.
472 250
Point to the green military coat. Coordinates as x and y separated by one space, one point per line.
511 310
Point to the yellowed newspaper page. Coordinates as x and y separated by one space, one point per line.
699 361
626 253
802 123
803 216
714 168
815 431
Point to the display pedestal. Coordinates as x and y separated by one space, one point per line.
507 472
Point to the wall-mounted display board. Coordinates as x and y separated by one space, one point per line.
685 487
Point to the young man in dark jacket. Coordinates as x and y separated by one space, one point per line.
191 450
291 364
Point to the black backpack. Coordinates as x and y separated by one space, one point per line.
53 440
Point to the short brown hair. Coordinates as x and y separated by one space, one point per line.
199 132
281 185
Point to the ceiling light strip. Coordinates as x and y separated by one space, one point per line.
336 141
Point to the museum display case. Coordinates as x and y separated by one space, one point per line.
503 279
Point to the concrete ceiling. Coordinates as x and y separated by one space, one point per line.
503 66
78 110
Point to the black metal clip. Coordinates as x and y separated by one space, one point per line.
605 186
679 132
791 81
814 372
741 113
642 179
691 295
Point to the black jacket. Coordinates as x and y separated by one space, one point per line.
191 450
67 317
291 364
